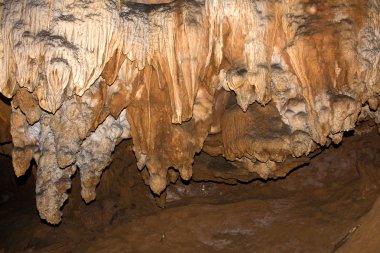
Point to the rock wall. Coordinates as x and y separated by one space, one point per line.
5 114
262 83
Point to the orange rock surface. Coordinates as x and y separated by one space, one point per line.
262 83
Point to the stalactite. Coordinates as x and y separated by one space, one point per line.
262 83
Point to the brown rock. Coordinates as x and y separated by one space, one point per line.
269 82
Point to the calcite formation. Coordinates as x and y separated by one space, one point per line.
262 83
5 112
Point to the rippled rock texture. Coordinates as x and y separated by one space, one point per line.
264 84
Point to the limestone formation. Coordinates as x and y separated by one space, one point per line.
262 83
5 127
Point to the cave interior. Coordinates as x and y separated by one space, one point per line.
190 126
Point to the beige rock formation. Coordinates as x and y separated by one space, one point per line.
262 83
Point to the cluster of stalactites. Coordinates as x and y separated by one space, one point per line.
83 75
79 135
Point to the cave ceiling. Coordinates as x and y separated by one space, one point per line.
264 84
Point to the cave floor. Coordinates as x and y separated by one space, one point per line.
326 206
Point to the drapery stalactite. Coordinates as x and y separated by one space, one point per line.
264 84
